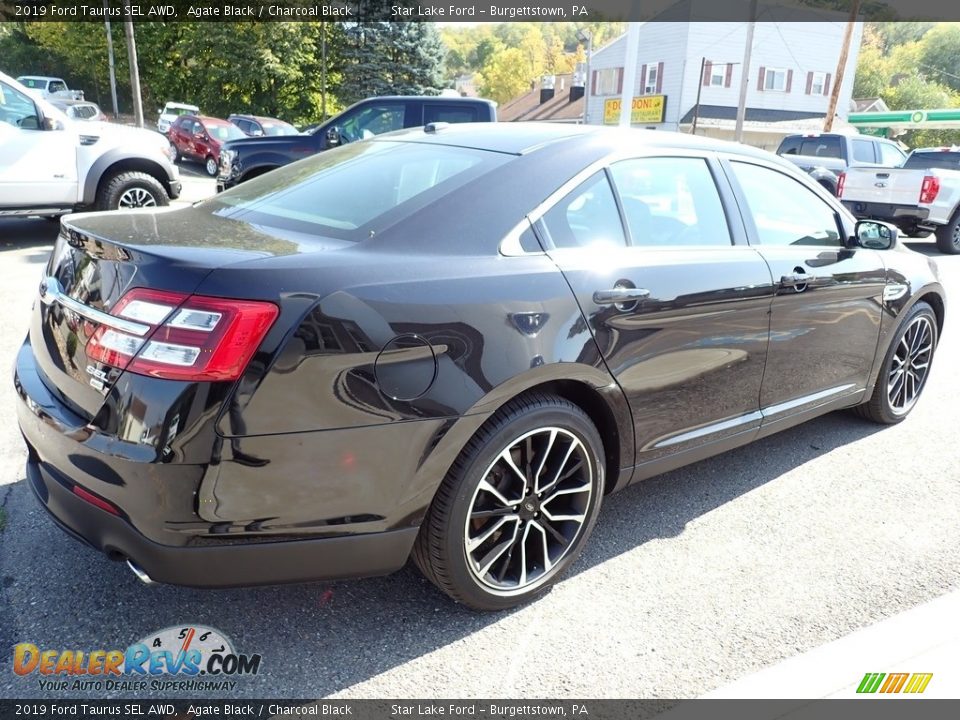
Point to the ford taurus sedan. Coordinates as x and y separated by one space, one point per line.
451 344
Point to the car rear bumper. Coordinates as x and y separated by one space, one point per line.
887 211
69 462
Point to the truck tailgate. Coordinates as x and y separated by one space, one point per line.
893 186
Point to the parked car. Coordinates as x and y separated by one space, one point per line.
49 87
81 110
920 198
257 126
247 158
50 164
825 155
198 137
449 343
171 111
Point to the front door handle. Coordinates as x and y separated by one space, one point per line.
801 281
620 295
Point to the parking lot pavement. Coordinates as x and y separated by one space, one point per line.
690 581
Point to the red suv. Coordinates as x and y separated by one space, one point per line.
197 137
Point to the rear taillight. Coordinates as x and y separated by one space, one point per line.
929 189
191 337
841 181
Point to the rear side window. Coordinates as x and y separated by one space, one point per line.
449 113
339 193
821 147
863 151
784 211
930 160
587 217
671 202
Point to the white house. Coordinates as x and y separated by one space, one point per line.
791 75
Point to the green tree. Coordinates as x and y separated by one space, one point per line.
940 54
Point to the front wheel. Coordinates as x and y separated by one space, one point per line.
905 369
128 190
516 507
210 166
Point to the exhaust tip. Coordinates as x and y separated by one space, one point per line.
140 573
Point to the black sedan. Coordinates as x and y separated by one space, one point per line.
448 343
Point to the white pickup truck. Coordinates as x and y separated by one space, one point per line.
51 165
920 197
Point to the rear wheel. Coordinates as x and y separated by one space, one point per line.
905 369
948 236
127 190
517 506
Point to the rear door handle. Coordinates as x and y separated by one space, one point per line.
620 295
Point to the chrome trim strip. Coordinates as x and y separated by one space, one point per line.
711 429
805 400
51 292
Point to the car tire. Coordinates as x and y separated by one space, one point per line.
132 189
485 542
948 236
906 367
177 155
210 165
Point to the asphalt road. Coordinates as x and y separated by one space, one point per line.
690 580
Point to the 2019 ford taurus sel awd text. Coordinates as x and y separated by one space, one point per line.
451 344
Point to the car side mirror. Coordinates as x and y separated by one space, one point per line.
50 123
874 235
334 137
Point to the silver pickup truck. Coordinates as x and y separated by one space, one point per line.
824 156
920 198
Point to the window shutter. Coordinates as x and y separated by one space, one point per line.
593 83
619 80
643 79
789 79
809 83
826 85
659 77
707 70
729 77
760 78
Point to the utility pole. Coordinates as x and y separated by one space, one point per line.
696 108
841 66
134 68
745 75
113 68
323 69
629 74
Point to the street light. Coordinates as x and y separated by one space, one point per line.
584 36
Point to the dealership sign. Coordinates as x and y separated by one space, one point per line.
645 109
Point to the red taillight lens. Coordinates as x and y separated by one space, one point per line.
929 189
841 181
191 337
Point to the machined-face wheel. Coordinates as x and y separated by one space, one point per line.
910 365
211 167
528 510
136 197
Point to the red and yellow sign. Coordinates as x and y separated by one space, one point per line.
645 109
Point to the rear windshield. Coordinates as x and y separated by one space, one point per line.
84 112
925 160
342 193
821 147
178 111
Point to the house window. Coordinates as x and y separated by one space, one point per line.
650 86
818 81
608 81
718 75
775 79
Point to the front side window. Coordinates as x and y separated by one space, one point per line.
371 121
17 109
785 211
340 193
775 79
586 218
890 155
671 202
